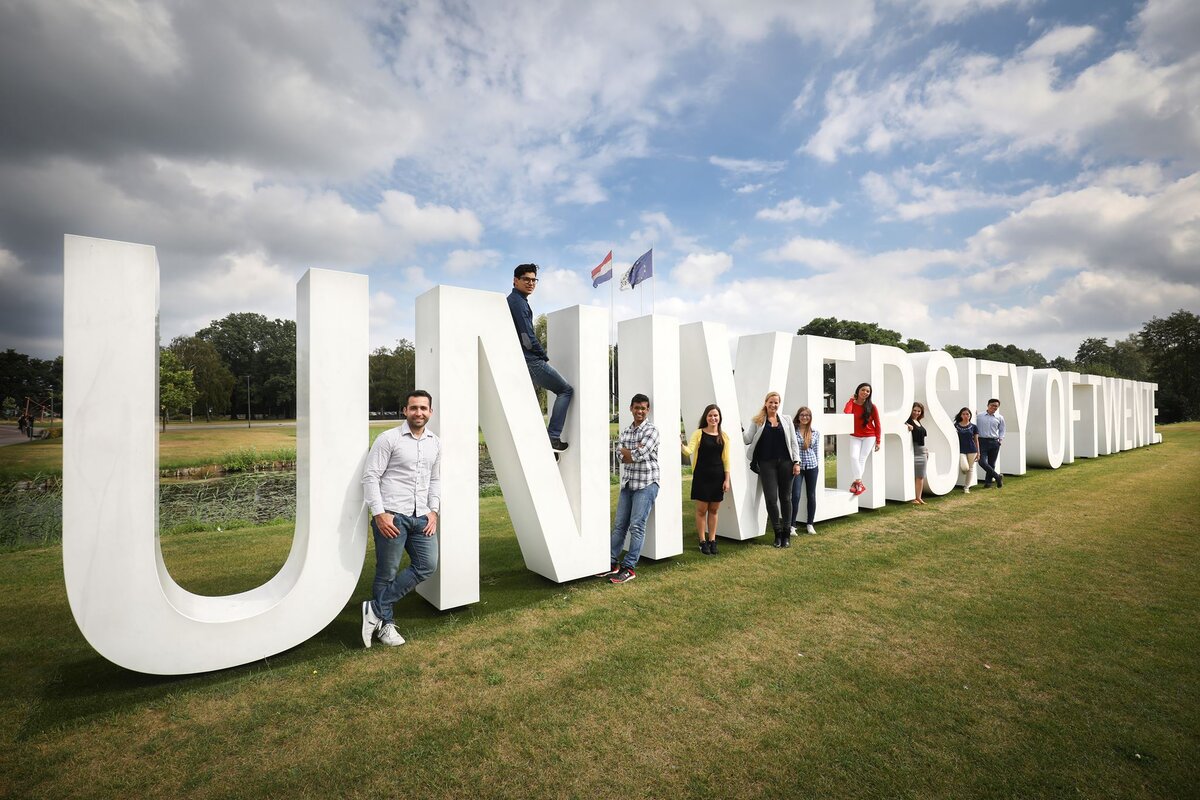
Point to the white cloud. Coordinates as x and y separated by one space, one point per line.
904 196
747 166
943 11
461 262
1061 41
700 270
429 223
749 188
1123 105
796 209
1169 29
1105 229
9 264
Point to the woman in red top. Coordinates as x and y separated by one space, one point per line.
867 431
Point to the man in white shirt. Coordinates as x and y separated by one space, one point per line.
402 484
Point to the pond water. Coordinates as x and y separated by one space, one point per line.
33 516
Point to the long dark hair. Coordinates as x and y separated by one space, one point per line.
704 417
867 406
958 416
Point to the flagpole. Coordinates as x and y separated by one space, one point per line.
612 341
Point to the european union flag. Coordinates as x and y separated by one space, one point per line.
642 269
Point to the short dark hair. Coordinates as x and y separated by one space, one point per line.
993 400
523 269
639 398
418 393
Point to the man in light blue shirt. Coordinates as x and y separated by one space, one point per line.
991 436
402 485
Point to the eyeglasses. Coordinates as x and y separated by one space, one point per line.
527 279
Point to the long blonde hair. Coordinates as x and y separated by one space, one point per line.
804 430
761 417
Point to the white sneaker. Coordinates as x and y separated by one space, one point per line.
389 635
812 531
966 490
370 623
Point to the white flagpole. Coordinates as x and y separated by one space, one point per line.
612 341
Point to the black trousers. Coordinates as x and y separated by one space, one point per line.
776 477
989 451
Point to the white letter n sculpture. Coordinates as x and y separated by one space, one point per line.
123 598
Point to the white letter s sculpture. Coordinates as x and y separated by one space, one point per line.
121 594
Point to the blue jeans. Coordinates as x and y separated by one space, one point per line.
547 377
633 509
423 555
989 451
806 479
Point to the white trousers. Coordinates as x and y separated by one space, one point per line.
860 448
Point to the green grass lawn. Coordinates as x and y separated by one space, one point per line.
1036 641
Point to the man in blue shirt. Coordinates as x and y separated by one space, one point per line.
991 436
543 375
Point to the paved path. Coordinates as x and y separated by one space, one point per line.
10 435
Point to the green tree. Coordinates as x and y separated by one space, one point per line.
176 388
1129 358
23 376
857 332
540 324
1172 349
250 344
391 376
214 382
1007 353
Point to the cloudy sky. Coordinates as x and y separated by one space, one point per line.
963 171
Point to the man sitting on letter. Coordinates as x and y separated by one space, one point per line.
536 361
639 488
402 484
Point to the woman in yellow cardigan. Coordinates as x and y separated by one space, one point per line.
709 451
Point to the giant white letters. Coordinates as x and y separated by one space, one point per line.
132 612
469 359
126 603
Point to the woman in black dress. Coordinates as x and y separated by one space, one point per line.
709 451
920 453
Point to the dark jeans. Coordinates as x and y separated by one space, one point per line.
776 478
989 449
808 480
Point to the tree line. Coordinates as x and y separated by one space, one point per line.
210 372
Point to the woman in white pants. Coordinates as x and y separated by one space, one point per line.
968 447
867 432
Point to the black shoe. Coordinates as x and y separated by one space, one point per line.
712 547
778 541
558 445
786 540
999 482
624 576
704 547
